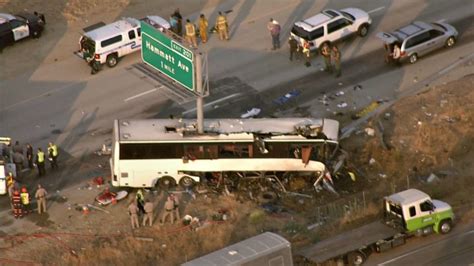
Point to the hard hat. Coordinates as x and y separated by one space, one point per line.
23 189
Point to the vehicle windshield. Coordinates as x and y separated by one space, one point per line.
439 26
300 32
88 45
348 16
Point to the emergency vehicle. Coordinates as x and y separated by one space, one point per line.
3 174
105 44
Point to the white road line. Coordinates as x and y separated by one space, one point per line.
441 20
214 102
139 95
375 10
423 248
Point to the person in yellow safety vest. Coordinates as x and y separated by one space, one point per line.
53 154
40 162
191 34
203 24
25 200
10 184
222 27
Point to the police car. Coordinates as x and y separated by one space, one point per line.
105 44
17 27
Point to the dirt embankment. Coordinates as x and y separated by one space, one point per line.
428 133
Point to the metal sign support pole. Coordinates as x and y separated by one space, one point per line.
200 93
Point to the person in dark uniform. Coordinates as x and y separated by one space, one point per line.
293 48
95 66
29 155
179 19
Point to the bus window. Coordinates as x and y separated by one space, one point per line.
129 151
211 152
232 150
277 150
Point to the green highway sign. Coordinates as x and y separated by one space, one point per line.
167 56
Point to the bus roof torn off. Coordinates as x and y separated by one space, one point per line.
228 129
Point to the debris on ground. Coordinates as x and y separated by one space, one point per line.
251 113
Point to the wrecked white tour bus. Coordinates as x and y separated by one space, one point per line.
164 152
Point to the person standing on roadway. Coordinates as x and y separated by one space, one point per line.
307 53
222 27
326 52
29 155
175 206
53 154
203 25
148 213
16 203
191 34
140 201
41 199
336 58
179 19
40 162
25 200
396 54
169 207
133 211
293 44
274 27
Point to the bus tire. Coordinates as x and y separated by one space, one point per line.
186 182
166 182
445 226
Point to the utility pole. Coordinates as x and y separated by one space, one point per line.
200 94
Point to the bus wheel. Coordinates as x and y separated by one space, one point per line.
167 182
186 182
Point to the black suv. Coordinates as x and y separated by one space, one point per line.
16 27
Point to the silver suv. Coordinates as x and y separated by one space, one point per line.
330 26
420 38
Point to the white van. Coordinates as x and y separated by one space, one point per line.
107 43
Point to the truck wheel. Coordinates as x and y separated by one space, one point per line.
445 227
363 30
112 60
186 182
35 34
356 258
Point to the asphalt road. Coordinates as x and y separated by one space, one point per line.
62 102
456 248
